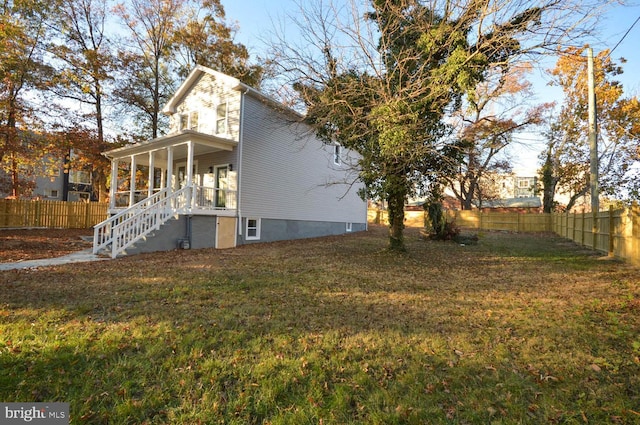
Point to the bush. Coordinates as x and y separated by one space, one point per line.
439 227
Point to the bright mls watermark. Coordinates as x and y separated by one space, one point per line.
34 413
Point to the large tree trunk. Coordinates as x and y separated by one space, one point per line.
549 183
396 197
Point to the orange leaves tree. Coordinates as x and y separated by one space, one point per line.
23 144
566 157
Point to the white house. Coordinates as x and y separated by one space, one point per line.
236 168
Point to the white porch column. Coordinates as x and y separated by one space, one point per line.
152 180
132 182
169 181
189 163
190 192
114 183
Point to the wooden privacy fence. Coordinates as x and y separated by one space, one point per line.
615 232
54 214
514 222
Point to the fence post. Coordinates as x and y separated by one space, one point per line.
595 230
611 234
87 223
583 220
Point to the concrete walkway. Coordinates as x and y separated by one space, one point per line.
75 257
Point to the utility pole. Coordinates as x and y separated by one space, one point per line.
593 148
593 135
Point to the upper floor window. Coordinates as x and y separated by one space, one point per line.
79 177
189 121
337 154
524 184
221 119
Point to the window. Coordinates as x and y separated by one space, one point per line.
53 194
221 118
253 229
524 184
337 151
193 121
79 177
189 121
349 227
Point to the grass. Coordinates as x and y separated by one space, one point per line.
515 329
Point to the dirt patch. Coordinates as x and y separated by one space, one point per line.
33 244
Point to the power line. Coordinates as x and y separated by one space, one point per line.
624 36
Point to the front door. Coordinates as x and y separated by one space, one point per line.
222 184
180 175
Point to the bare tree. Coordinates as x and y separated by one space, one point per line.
146 60
380 78
492 114
84 65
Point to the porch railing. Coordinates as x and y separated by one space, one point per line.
109 231
130 225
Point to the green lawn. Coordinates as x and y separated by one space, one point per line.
514 329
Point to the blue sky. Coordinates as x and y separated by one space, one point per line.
255 18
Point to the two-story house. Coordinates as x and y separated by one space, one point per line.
236 167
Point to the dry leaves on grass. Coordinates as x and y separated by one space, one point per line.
32 244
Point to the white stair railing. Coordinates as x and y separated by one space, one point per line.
125 228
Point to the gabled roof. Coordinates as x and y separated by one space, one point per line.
192 78
232 82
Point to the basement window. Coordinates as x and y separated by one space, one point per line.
253 229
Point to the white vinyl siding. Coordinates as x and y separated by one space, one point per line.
288 174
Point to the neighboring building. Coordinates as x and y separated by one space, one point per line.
514 193
51 182
236 168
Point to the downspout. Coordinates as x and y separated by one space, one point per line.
240 144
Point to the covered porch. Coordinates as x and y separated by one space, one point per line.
169 166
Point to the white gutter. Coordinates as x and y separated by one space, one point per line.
239 172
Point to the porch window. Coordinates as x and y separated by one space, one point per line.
221 118
253 229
